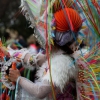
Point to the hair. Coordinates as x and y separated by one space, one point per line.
67 49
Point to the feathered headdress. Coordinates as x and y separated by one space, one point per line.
41 13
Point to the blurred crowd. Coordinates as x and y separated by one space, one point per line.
16 41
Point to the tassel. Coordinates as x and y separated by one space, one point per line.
8 96
3 95
14 65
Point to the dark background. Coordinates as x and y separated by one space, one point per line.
11 17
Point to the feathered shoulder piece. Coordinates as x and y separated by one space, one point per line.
62 70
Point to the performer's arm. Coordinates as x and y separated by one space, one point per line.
39 59
39 90
27 59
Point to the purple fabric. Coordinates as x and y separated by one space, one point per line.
16 54
62 38
69 93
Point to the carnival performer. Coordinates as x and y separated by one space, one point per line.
62 70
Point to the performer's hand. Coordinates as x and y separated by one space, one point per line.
14 74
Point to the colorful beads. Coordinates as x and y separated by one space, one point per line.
81 77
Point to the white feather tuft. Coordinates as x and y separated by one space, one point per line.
61 70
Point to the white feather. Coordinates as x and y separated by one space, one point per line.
61 70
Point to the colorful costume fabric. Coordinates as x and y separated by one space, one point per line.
43 81
66 58
88 76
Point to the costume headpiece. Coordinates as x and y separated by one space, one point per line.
38 13
62 24
63 32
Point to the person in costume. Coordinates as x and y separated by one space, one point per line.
61 69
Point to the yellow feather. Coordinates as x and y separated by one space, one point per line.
84 27
52 42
